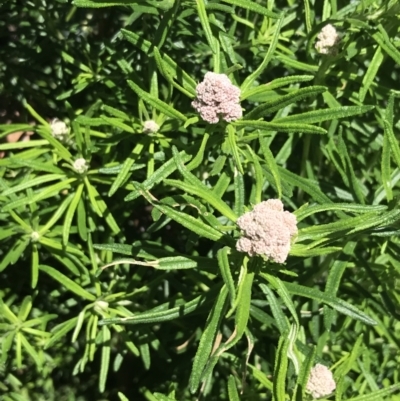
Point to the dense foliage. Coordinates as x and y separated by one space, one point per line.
119 273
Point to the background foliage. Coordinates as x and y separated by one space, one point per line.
126 278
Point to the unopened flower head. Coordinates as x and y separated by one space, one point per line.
80 166
35 236
59 129
328 40
217 98
320 382
267 231
150 127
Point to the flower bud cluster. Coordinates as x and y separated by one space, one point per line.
59 130
150 127
267 230
217 98
328 39
320 382
80 166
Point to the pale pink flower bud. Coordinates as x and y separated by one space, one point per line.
267 231
217 98
320 382
328 39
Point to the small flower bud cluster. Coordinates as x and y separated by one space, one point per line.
320 382
80 166
35 236
150 127
268 231
217 98
59 130
328 39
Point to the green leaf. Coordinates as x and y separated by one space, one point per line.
30 350
34 266
123 175
157 316
371 73
232 390
349 362
14 253
281 321
196 187
29 183
57 215
105 358
385 167
317 116
117 123
102 3
67 283
304 212
280 127
377 395
122 397
71 212
355 185
100 207
281 102
198 159
7 129
169 74
57 145
275 84
186 220
83 314
44 193
280 369
7 342
306 185
383 40
304 373
335 303
225 270
293 63
243 308
157 103
207 339
138 40
233 148
393 142
201 12
261 377
252 6
25 308
283 294
159 175
115 112
35 165
248 82
271 164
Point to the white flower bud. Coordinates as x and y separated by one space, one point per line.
100 306
328 40
267 231
320 382
80 166
217 98
59 129
150 127
35 236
